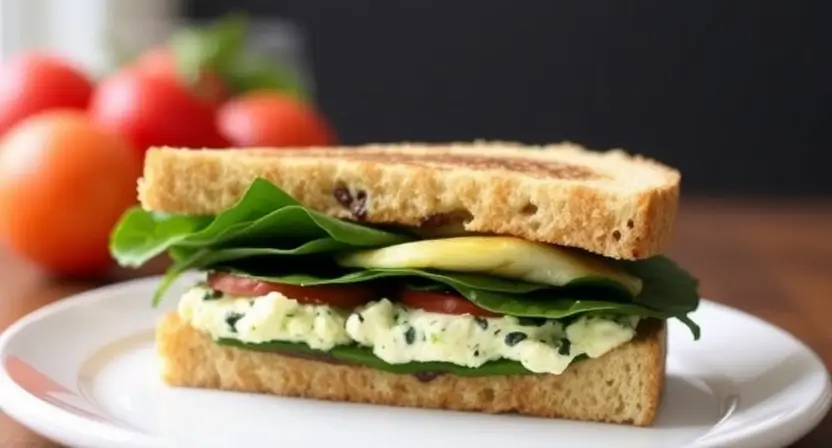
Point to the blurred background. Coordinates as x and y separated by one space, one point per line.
736 94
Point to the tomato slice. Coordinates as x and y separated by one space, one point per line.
442 302
341 296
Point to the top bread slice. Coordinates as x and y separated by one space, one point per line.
610 203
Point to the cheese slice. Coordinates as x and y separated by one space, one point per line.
507 257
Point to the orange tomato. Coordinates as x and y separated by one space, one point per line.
272 119
32 82
160 61
64 183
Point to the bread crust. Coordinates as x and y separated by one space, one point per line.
610 203
624 386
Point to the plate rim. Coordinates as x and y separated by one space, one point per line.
51 421
55 423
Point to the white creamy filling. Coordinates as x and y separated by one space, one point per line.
399 335
273 317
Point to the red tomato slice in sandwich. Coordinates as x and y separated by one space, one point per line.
442 302
340 296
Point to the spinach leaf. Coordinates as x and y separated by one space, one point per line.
352 354
456 280
141 235
668 291
665 285
264 216
186 260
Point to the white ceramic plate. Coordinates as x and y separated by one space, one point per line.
83 372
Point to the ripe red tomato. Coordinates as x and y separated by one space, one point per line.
272 119
153 110
31 83
161 61
442 302
341 296
64 183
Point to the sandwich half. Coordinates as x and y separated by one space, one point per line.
486 277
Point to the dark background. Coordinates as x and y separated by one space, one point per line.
736 94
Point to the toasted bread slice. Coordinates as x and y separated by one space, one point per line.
609 203
623 386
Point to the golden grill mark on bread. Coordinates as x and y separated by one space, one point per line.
445 160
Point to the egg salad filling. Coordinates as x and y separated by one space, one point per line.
273 317
398 335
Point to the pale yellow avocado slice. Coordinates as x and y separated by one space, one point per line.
499 256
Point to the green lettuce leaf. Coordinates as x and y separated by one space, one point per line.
352 354
264 217
141 235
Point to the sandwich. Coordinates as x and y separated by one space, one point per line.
481 277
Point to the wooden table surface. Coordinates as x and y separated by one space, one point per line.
772 259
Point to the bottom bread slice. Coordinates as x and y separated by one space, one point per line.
623 386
